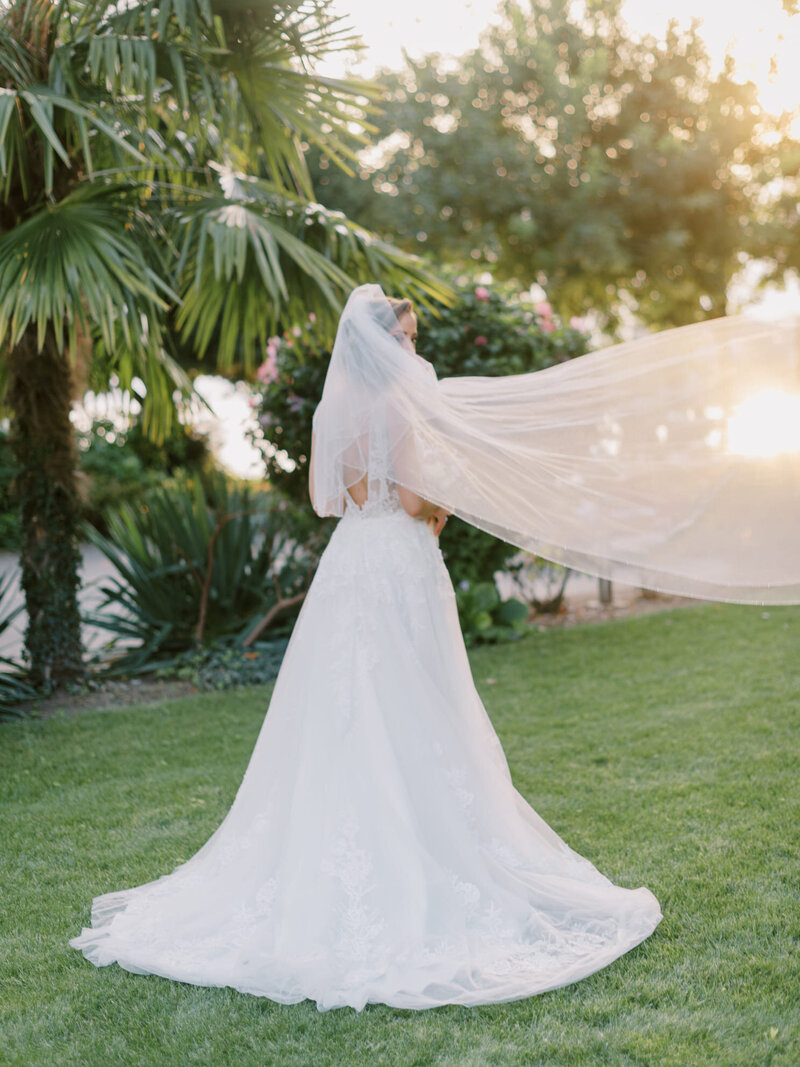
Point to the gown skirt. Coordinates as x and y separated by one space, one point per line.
377 850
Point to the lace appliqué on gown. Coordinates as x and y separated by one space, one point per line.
376 850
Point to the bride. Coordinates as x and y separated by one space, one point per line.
377 850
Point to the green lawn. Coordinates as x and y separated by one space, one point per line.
662 748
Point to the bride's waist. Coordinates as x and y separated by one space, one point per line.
372 546
383 510
385 525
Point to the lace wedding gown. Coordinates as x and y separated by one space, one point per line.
376 850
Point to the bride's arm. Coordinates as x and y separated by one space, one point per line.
416 506
407 461
419 508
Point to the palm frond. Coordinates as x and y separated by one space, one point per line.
275 92
310 29
34 109
133 68
246 261
238 72
248 266
191 17
15 59
155 379
274 100
76 262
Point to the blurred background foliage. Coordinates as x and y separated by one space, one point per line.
626 180
613 171
120 466
116 465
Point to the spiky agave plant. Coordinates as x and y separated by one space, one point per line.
14 690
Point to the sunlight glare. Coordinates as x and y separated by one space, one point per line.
766 424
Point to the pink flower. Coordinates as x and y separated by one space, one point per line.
577 323
482 293
481 340
268 371
296 331
543 310
547 325
312 317
295 403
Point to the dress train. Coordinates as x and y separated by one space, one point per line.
377 850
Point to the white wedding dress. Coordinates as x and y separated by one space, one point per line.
376 850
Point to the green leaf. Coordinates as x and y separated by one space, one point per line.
251 261
77 261
512 611
485 595
42 113
8 103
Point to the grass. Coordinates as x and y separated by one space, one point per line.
663 748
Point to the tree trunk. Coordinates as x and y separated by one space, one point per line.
42 438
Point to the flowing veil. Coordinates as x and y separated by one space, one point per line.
670 462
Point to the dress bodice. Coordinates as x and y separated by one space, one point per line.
379 504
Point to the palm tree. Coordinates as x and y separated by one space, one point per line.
153 192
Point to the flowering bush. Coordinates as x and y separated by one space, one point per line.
491 331
290 382
486 332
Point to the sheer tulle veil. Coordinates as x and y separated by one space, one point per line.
670 462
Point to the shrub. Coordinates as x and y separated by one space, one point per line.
226 665
14 687
537 582
121 466
485 618
492 332
290 387
199 562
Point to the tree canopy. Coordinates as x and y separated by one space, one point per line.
564 151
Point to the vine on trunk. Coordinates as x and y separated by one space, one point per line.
44 448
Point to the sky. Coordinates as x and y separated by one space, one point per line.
751 32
